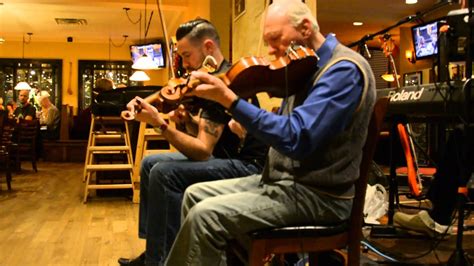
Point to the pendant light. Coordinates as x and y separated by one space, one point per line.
145 62
139 76
22 86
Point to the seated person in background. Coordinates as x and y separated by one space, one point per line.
1 104
207 151
11 107
49 117
316 146
82 122
102 84
454 170
24 110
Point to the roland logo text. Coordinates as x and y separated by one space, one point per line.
405 95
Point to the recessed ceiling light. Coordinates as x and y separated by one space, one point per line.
411 2
357 23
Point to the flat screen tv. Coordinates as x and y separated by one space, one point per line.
425 39
154 50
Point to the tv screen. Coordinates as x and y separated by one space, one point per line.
425 39
154 50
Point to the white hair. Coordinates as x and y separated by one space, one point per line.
296 11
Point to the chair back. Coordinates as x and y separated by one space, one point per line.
6 135
357 215
413 178
7 131
27 132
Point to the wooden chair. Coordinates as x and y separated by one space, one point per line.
27 134
7 129
316 238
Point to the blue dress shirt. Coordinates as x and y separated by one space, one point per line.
325 112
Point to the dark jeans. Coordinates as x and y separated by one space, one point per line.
163 180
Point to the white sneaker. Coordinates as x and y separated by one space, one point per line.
421 223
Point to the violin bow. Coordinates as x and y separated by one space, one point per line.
260 40
165 33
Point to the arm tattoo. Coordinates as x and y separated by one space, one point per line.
211 128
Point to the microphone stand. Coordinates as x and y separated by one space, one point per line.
459 256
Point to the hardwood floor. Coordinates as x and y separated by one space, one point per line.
44 222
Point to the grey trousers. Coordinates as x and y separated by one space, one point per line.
216 212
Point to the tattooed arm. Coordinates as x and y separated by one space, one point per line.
197 148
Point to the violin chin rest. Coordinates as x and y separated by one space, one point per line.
127 115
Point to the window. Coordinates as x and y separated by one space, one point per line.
90 71
41 74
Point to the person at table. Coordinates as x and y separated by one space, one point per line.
49 117
24 110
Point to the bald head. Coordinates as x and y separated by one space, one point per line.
294 10
289 22
23 96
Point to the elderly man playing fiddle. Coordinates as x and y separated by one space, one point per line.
316 146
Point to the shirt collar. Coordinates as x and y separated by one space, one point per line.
325 51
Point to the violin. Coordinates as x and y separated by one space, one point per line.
250 75
174 93
279 78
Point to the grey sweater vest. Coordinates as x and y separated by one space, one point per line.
333 167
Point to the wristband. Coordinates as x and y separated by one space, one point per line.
161 128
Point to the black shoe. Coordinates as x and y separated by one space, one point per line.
138 261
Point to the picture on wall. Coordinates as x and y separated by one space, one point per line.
412 78
239 8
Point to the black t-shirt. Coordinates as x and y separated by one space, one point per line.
25 110
229 144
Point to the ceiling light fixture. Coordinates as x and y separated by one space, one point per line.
357 23
111 43
411 2
25 42
145 62
388 77
22 86
139 76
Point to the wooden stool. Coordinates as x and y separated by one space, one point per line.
108 136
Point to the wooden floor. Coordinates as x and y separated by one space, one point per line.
44 222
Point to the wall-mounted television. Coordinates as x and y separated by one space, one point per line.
155 50
425 39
